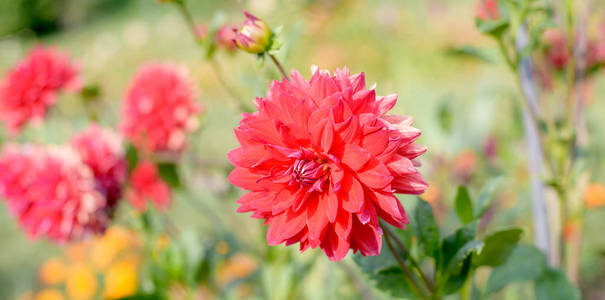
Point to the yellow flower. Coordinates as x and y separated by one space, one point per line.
49 295
594 195
121 279
53 271
81 282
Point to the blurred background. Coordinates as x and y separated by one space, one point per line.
448 76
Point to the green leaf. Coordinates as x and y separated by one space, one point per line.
132 157
374 264
464 206
494 28
498 247
169 173
484 200
456 281
553 285
452 243
427 228
393 282
468 51
525 263
462 254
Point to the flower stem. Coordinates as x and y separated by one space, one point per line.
406 252
404 268
279 66
188 19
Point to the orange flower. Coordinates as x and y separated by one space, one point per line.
53 271
238 266
81 282
121 279
49 295
594 195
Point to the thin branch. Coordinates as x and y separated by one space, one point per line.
279 66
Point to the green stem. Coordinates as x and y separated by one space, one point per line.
279 66
404 268
188 19
230 90
406 252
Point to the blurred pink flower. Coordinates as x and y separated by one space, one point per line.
159 109
254 36
322 161
225 37
101 149
30 87
146 185
201 32
51 192
557 54
487 10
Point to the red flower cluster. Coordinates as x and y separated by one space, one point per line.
31 87
147 184
487 10
159 109
557 53
322 161
51 192
101 150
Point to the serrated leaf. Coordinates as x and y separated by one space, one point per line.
498 247
553 285
525 263
393 282
452 243
427 228
169 173
486 195
462 254
132 157
464 206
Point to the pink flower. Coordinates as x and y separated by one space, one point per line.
225 37
201 32
30 87
147 185
322 160
101 150
159 109
487 10
557 54
51 192
254 36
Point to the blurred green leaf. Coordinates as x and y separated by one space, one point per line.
374 264
455 281
464 206
468 51
427 228
393 282
525 263
132 157
492 27
169 173
486 195
498 247
553 285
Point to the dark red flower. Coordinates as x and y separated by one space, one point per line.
322 160
101 150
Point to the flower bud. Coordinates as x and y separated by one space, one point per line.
254 36
225 37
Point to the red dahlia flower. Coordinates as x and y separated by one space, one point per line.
159 109
51 192
487 10
31 87
101 150
147 185
322 161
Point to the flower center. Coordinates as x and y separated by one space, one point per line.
307 172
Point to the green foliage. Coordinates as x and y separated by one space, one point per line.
427 228
498 247
464 207
394 283
553 285
486 195
169 173
132 157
